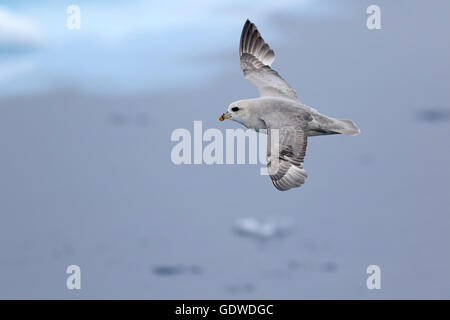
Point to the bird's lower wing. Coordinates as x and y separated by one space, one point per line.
286 149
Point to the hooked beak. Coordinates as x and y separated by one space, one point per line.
225 116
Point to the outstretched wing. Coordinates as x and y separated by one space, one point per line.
285 156
256 58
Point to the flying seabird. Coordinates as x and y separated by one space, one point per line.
279 111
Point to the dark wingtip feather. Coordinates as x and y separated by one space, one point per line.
252 42
244 36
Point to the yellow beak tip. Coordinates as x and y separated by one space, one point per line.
221 118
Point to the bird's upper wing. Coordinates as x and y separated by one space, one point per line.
285 155
256 58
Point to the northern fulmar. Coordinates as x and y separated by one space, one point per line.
278 111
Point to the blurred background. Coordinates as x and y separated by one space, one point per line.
86 176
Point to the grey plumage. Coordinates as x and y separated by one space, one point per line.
280 112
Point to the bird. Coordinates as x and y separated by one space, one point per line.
279 113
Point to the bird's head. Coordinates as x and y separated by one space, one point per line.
236 111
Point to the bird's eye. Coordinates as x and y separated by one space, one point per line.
234 109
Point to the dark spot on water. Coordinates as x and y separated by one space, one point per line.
167 270
434 115
329 266
173 270
118 119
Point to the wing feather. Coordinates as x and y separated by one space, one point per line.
256 58
286 166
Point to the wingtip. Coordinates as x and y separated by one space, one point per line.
248 23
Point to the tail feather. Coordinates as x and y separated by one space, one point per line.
347 127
